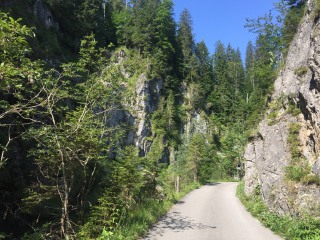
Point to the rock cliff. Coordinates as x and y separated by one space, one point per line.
282 160
134 117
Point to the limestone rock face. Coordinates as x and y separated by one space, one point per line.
268 155
148 93
135 114
196 123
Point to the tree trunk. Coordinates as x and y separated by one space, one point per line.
66 227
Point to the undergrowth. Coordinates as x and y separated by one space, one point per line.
137 222
298 168
291 228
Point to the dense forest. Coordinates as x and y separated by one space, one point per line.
67 169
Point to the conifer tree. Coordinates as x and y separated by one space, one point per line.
165 37
186 42
205 68
143 19
220 96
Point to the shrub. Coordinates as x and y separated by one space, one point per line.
296 172
293 109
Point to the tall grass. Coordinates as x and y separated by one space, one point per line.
137 222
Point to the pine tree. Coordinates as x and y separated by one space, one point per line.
250 56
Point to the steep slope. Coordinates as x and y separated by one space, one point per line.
282 160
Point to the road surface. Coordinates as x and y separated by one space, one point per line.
212 212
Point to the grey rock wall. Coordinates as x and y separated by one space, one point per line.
148 93
268 154
134 117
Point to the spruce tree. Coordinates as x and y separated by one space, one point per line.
205 68
186 43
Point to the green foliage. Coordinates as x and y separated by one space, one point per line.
205 70
195 154
316 9
104 217
49 44
293 109
276 105
75 177
136 223
82 17
292 20
293 141
306 227
129 175
297 172
301 71
164 121
186 45
274 108
311 179
2 236
298 168
71 143
13 39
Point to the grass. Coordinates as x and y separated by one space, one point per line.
298 169
311 179
293 109
137 222
291 228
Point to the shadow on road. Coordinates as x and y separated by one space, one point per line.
176 222
212 184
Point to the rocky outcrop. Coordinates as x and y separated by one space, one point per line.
268 155
196 123
148 93
134 116
45 15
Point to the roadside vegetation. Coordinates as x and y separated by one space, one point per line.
291 228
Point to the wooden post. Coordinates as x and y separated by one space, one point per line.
177 184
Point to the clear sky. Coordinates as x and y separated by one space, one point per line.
223 20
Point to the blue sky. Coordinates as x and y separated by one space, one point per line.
224 20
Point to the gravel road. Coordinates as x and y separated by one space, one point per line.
212 212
